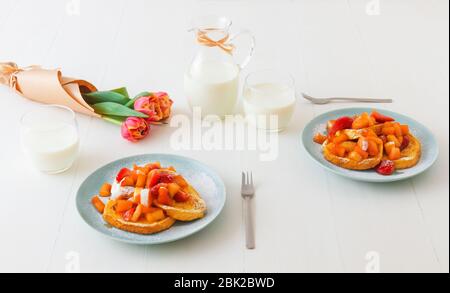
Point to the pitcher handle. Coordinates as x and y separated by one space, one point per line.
252 46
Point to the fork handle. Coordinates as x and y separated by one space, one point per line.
362 100
248 219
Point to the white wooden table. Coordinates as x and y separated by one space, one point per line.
307 219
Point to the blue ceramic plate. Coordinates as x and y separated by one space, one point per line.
205 181
430 149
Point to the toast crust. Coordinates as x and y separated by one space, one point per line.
141 227
193 209
411 155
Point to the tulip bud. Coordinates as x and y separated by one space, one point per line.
135 129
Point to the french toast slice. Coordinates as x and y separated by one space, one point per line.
141 227
194 208
347 163
410 156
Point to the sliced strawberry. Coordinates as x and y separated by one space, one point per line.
341 124
380 118
386 168
181 196
164 197
405 143
129 214
167 178
122 174
155 189
153 166
153 179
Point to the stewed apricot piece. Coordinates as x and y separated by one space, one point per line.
123 206
388 130
148 210
354 156
331 148
394 139
156 215
98 204
180 181
137 213
398 130
173 189
340 151
373 148
364 154
389 146
319 138
340 138
141 180
361 121
105 190
128 181
348 145
405 129
395 154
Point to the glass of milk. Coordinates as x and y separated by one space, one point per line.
269 99
49 138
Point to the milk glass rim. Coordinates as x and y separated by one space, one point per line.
49 106
290 81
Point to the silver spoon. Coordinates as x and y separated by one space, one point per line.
322 101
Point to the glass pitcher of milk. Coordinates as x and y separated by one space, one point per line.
212 80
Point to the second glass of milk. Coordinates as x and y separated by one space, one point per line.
269 99
49 138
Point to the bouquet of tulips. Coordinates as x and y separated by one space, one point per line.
50 86
134 115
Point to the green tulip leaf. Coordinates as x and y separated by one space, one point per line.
130 104
114 119
105 96
122 91
114 109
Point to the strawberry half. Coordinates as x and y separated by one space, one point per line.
341 124
386 168
122 174
181 196
380 118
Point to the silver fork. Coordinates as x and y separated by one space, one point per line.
248 192
322 101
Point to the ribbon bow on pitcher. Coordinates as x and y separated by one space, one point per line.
204 39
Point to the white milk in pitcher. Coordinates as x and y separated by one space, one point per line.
213 86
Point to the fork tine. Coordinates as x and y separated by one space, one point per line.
248 178
251 178
243 179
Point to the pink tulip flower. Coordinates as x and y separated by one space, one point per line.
135 129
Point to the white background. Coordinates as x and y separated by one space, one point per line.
307 220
